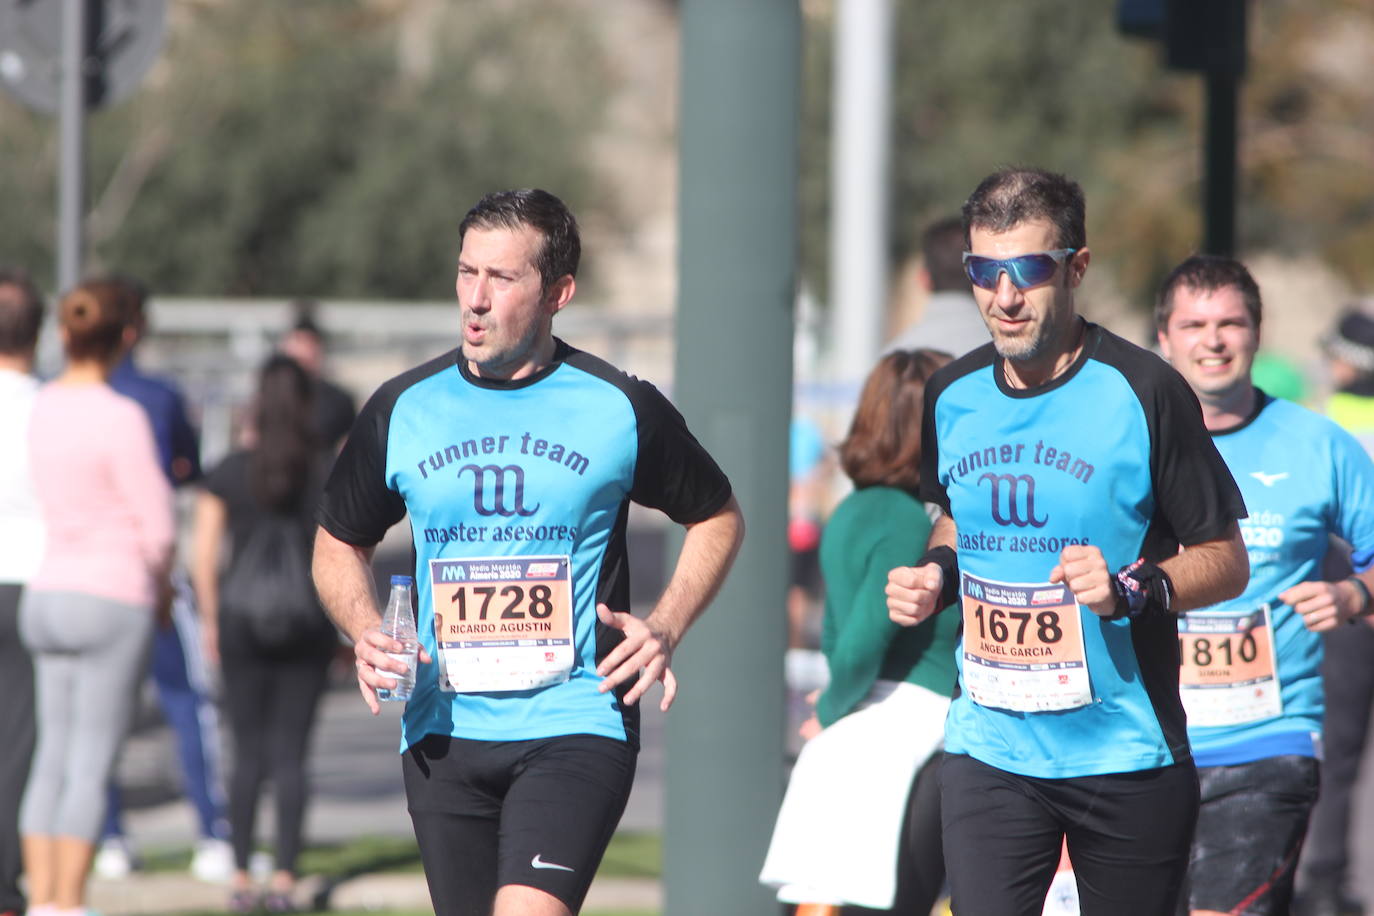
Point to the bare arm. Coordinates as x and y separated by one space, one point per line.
1202 575
913 592
343 578
1210 572
207 539
708 552
1326 605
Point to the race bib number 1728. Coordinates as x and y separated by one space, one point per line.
502 623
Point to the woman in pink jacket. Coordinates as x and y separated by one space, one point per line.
87 616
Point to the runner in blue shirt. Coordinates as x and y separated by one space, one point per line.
516 457
1071 467
1251 681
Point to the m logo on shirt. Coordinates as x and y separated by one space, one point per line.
498 490
1014 493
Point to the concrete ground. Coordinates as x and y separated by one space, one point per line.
357 792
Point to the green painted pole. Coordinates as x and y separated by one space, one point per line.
733 381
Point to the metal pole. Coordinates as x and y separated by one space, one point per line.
738 234
860 141
1219 204
71 190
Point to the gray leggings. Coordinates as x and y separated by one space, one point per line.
89 657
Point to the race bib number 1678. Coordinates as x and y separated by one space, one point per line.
1023 646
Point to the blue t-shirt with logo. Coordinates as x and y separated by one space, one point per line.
1304 479
1111 453
544 466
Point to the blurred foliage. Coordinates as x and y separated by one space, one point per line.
330 147
984 84
320 147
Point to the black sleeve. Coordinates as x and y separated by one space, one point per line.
1196 498
226 480
673 472
931 490
357 505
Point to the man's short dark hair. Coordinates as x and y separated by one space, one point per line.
1207 273
942 248
1012 196
303 318
21 312
546 214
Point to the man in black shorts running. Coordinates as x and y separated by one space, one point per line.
515 457
1252 680
1071 467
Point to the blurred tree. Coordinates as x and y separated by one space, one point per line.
319 147
1052 83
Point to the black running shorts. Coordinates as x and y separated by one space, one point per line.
1128 836
536 813
1249 834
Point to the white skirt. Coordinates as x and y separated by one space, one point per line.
837 832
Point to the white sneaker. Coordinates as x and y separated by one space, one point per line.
213 861
115 858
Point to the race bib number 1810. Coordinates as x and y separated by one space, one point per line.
1023 646
1229 674
502 623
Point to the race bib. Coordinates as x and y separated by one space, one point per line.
502 623
1023 646
1228 674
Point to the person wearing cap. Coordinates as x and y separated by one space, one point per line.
1348 665
1071 467
1251 681
516 457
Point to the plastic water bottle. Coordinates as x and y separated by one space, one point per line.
399 623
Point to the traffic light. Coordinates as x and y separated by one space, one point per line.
1206 36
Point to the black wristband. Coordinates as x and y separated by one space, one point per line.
1142 590
948 561
1367 605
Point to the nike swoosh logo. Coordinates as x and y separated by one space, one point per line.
1268 479
537 862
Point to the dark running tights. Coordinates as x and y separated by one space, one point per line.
271 702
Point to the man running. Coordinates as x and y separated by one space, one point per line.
1071 466
516 457
1251 680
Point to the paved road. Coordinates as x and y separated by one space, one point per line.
355 773
357 792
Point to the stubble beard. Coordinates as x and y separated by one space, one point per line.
1022 347
493 360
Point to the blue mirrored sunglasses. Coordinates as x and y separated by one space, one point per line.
1024 270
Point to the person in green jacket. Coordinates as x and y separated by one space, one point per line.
871 843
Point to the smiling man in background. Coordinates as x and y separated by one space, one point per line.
1251 679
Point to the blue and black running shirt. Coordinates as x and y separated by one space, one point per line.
1254 689
1112 453
540 467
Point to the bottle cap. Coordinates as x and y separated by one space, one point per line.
402 580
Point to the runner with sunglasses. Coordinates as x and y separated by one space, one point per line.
1251 681
1071 466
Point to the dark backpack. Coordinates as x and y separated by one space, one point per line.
269 586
